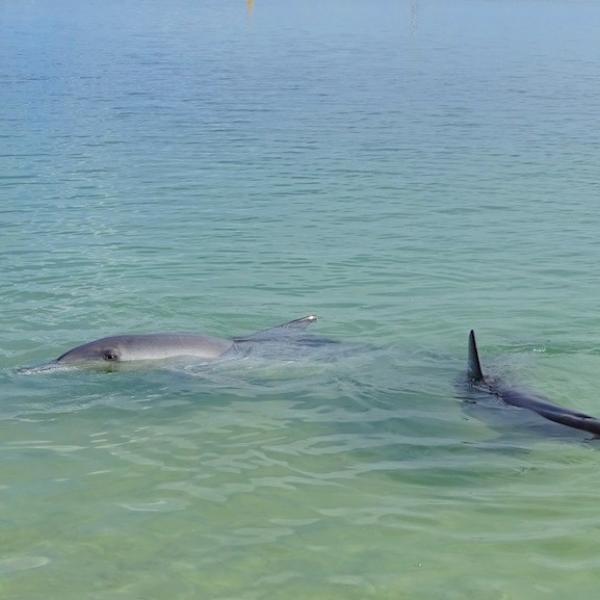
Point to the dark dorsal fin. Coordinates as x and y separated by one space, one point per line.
475 371
280 331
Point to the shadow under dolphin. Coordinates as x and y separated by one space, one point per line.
526 407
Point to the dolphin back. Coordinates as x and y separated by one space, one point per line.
285 330
521 399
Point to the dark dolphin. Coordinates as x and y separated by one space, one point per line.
524 400
157 346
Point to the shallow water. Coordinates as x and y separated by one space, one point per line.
406 171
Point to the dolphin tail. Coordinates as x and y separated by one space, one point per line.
474 369
280 331
571 419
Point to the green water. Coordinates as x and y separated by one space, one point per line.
404 170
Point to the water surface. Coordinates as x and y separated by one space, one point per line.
404 170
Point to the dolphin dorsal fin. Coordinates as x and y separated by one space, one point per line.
284 330
475 371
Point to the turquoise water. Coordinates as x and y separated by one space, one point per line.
404 170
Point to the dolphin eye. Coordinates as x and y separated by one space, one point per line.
110 355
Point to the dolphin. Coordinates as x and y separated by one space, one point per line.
157 346
520 399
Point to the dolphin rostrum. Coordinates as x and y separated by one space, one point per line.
532 402
153 346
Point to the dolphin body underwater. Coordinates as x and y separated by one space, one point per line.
160 346
532 402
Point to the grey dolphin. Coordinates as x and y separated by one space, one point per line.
528 401
156 346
